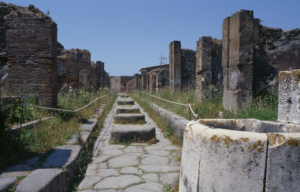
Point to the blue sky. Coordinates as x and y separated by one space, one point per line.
131 34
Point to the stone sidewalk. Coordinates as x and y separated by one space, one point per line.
138 167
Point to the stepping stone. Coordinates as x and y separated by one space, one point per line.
134 149
155 169
119 182
122 161
129 132
100 159
151 177
88 182
107 172
169 178
114 152
127 109
129 118
131 170
125 101
155 160
145 187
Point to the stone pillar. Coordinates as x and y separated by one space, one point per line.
203 68
175 66
102 74
289 96
144 81
240 33
136 78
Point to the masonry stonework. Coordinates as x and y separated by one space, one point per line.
28 52
175 66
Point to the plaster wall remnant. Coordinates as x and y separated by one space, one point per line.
240 34
175 66
28 52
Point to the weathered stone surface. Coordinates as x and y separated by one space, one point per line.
175 66
129 118
125 101
155 160
134 149
169 178
46 180
91 169
121 161
107 172
131 170
146 187
113 152
5 183
129 132
127 109
159 153
111 147
151 177
119 182
239 158
88 182
153 168
100 159
172 147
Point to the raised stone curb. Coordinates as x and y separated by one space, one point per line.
130 118
6 183
127 109
64 159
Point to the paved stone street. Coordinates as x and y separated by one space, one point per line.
138 167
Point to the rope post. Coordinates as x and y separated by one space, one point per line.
189 108
77 128
20 124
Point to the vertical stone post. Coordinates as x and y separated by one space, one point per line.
102 74
203 68
175 66
136 78
239 35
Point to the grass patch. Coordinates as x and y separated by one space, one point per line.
51 133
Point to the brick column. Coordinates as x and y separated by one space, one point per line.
175 66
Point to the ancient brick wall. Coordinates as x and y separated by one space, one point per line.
130 86
124 80
30 51
106 80
188 67
93 77
162 80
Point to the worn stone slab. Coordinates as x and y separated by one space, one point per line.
91 169
88 182
107 172
232 157
150 178
131 170
129 118
159 153
155 160
145 187
100 159
157 169
124 160
129 132
6 183
169 178
172 147
113 152
46 180
111 147
127 109
134 149
119 182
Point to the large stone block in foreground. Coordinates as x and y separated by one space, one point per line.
130 132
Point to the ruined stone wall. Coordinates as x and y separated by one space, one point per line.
93 77
28 52
106 80
175 66
84 69
277 51
188 67
130 86
217 69
115 84
162 80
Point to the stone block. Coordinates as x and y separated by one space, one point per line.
6 183
127 109
289 96
235 158
129 118
204 81
203 55
175 66
129 132
44 180
232 100
283 168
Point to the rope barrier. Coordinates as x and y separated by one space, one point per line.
56 109
188 105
